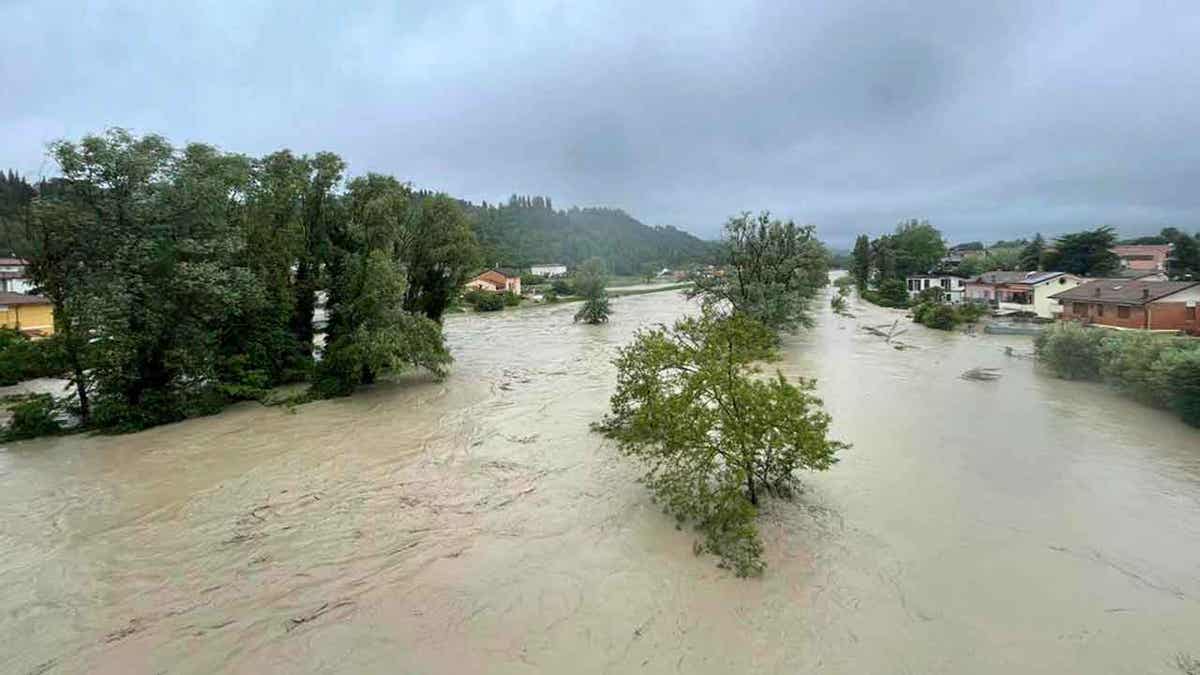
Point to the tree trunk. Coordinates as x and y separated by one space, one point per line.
750 487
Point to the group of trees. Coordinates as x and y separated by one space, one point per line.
528 230
185 278
1156 369
691 405
880 267
590 283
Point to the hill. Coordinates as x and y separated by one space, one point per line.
528 231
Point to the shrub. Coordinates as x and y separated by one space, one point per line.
32 418
532 280
484 301
971 311
1071 351
1129 361
891 293
563 287
1179 370
511 299
845 281
24 359
937 315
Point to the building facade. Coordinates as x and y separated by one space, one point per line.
496 281
30 314
1146 257
1133 305
550 270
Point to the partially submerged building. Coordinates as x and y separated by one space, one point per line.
1132 304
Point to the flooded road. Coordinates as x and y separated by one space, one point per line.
475 525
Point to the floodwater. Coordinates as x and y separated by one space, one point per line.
475 525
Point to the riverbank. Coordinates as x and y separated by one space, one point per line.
1022 525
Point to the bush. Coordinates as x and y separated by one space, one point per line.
532 280
845 281
1129 361
1179 370
1071 351
485 301
936 315
24 359
563 287
892 293
971 311
33 417
511 299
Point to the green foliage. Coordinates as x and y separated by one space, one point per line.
891 293
1156 369
937 315
590 283
511 299
1184 263
844 282
439 251
838 303
532 280
918 248
1071 351
563 287
24 359
528 230
860 261
33 417
373 332
1031 255
485 301
1087 253
714 436
773 270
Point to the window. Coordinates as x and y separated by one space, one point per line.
1099 310
1190 313
1123 312
1079 308
946 284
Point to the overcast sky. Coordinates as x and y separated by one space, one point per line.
989 121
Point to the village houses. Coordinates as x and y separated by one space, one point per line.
1020 291
13 276
951 283
496 281
33 315
1143 257
1132 304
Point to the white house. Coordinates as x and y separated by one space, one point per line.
13 277
550 270
951 284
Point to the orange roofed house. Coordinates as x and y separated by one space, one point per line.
1143 257
496 281
1133 304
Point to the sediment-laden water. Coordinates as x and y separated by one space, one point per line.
475 525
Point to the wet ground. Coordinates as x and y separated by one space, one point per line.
1022 525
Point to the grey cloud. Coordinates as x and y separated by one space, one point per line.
990 119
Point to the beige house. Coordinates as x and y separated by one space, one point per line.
495 282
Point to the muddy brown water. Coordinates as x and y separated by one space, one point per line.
475 525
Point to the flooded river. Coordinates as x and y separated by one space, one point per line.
1023 525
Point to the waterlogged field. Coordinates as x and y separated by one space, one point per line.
475 525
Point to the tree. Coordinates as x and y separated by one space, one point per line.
590 282
773 270
648 272
714 436
919 247
320 217
860 261
1087 253
1184 263
1031 255
376 334
439 251
1008 258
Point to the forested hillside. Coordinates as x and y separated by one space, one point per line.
528 230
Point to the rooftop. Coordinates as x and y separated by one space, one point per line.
1124 291
22 299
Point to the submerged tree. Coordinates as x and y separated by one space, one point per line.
773 271
590 282
860 261
439 251
715 437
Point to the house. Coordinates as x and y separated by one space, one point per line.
1133 304
951 283
549 270
13 276
1027 292
496 281
30 314
1151 257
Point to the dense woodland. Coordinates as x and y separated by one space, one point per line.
529 230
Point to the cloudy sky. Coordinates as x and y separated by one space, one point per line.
991 119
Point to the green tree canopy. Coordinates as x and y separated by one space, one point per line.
773 270
1087 253
590 283
714 437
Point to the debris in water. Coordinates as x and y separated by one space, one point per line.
981 374
317 613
